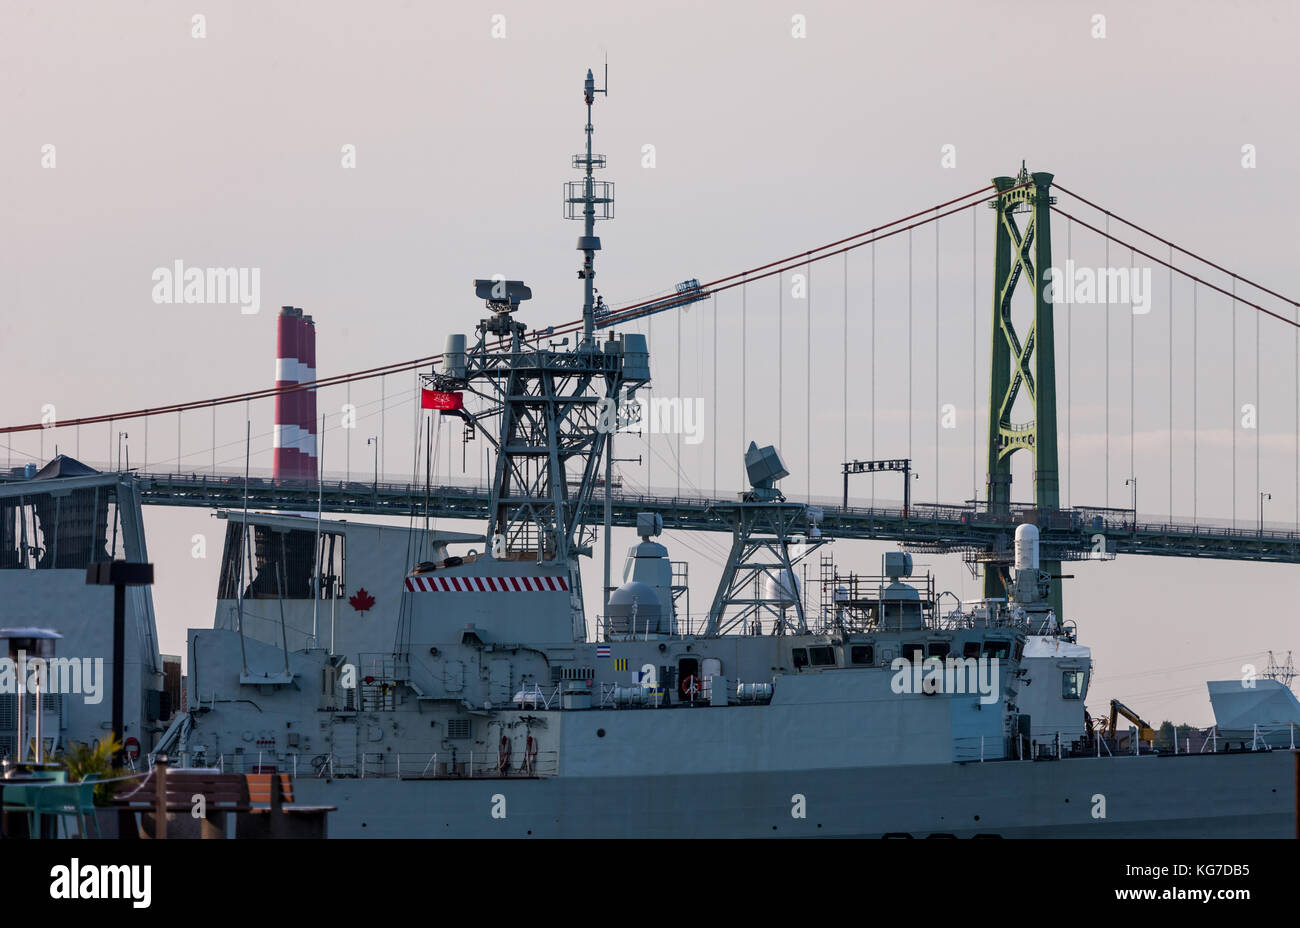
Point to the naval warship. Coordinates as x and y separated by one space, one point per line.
445 684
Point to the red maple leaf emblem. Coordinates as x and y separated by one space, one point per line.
361 600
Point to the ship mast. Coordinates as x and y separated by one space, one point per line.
555 406
593 194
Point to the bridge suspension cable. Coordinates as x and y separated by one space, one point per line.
1235 300
649 307
1175 247
804 258
1188 274
636 310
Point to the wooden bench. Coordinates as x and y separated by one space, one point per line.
274 813
261 803
167 793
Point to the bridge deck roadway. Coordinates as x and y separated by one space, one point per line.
1068 533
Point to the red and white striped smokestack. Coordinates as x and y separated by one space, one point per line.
284 462
307 409
295 363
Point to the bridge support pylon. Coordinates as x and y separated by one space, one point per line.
1029 365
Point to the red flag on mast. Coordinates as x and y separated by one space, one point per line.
439 399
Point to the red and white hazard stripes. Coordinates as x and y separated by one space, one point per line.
487 584
295 413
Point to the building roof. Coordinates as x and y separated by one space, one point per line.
63 466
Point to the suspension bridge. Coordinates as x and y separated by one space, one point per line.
1196 415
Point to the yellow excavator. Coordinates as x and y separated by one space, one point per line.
1117 708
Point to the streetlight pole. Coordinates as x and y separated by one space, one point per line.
374 440
120 436
1262 496
1134 482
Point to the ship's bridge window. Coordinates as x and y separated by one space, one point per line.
822 656
938 649
971 649
1072 684
913 652
907 612
862 654
1000 650
799 657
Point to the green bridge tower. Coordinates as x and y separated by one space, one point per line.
1030 365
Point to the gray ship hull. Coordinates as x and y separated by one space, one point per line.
1226 795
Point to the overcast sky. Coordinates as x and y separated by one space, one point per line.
230 150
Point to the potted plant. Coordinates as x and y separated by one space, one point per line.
81 759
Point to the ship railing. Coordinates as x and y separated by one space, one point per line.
1212 741
440 765
1041 744
465 765
1264 736
534 697
621 696
326 765
958 620
244 762
1059 743
978 749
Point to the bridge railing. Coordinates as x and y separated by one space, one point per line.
1105 520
